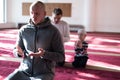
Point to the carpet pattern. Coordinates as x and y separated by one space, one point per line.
84 74
64 73
7 67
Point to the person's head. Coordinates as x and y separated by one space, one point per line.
57 15
37 12
82 34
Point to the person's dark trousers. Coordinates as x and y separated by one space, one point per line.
80 61
60 63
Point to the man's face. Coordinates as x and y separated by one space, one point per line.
37 14
56 18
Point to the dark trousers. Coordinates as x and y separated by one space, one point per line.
80 61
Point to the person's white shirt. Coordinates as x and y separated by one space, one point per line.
64 29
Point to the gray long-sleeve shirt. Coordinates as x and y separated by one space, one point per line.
43 35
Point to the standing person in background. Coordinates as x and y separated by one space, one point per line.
40 45
62 26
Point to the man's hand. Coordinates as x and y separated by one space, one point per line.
40 53
19 51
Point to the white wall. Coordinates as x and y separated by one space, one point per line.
108 16
95 15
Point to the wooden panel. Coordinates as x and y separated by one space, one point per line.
66 7
25 9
